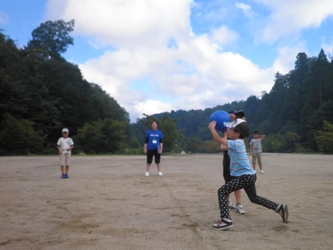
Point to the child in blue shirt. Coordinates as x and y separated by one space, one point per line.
243 176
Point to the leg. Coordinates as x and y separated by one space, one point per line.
158 162
231 186
149 161
239 207
62 165
253 161
251 192
260 163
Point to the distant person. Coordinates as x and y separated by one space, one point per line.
153 147
243 176
256 150
226 168
65 146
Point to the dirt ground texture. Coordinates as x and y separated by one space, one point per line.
108 203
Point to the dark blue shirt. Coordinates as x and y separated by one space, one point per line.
154 139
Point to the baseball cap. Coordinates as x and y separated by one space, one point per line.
65 130
237 113
240 126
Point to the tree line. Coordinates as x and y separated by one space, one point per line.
40 93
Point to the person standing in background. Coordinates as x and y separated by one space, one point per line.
153 147
65 146
256 150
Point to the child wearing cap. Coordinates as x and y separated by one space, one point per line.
243 176
65 145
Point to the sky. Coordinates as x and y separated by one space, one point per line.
155 56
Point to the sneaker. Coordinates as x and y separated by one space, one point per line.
239 209
230 205
147 174
160 173
282 209
63 176
66 175
224 224
262 171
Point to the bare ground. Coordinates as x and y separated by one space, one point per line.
108 203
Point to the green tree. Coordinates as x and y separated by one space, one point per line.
193 144
324 138
107 136
53 37
18 136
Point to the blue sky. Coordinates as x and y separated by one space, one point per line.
154 55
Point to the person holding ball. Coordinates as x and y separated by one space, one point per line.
153 147
243 176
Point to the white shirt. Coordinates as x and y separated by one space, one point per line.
64 144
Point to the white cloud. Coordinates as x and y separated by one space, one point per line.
245 8
328 48
288 17
157 64
286 59
3 18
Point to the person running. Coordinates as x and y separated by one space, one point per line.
243 175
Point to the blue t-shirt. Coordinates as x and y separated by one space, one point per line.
154 138
239 163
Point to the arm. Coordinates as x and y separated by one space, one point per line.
262 136
59 150
250 149
223 140
161 147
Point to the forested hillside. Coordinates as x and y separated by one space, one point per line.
292 115
40 93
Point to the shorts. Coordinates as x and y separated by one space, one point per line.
256 156
150 154
226 168
65 159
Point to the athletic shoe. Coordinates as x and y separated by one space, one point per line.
282 209
239 209
230 205
262 171
63 176
66 175
147 174
160 173
224 224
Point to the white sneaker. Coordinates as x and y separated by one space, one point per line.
262 171
240 209
230 205
160 173
147 174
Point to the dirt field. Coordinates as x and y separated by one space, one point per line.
108 203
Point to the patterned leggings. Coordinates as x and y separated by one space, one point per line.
248 183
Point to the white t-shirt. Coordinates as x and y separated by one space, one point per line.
64 144
256 145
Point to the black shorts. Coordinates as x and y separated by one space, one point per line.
150 154
226 168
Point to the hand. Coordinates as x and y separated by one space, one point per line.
60 152
145 150
212 125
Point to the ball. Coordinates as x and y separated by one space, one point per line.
220 116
